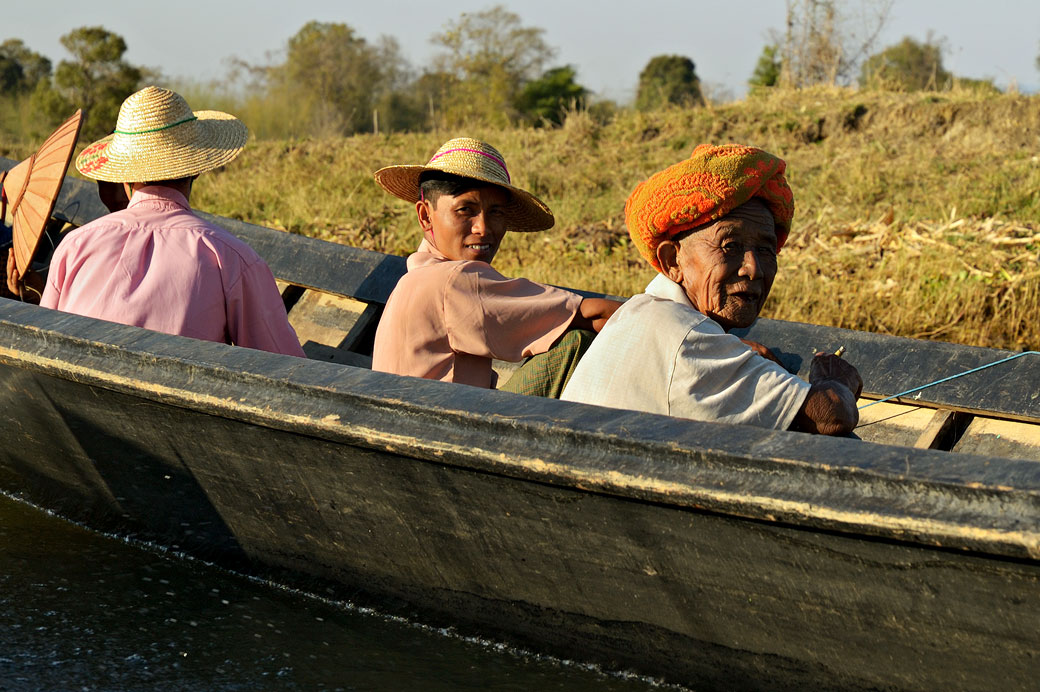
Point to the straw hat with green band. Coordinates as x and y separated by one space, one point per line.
159 137
470 158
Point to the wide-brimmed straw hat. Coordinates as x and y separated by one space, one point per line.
470 158
159 137
31 188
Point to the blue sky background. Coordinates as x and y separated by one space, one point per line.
608 41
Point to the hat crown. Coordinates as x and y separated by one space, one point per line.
471 158
152 109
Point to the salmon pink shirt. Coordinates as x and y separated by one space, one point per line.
156 265
447 319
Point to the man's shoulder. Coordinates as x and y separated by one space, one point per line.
660 314
222 241
225 238
451 268
446 274
101 226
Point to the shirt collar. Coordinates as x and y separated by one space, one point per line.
663 287
158 193
425 255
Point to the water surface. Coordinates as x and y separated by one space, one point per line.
82 611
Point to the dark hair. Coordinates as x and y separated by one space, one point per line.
433 184
173 181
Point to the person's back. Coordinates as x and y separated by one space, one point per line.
156 252
156 264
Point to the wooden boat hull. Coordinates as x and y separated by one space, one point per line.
722 557
687 551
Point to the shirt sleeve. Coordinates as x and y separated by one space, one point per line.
256 314
493 316
55 278
717 377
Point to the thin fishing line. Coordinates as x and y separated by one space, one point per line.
951 377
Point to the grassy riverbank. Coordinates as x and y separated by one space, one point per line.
917 214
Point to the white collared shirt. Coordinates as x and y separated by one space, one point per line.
659 354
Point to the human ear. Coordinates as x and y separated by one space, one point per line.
668 259
422 210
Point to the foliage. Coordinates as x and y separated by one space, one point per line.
767 69
908 66
10 75
21 69
826 40
332 76
979 86
96 80
668 80
546 99
491 56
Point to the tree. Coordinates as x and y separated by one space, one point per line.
826 40
768 67
908 65
668 80
336 79
547 98
330 73
97 80
10 75
491 56
31 67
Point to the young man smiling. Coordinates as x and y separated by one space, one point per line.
451 314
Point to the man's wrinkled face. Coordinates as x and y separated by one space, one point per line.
467 226
727 268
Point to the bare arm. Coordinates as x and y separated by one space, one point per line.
830 407
594 313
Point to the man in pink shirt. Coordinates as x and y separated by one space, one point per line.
155 264
451 314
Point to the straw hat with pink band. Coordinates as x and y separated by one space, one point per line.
158 137
470 158
31 189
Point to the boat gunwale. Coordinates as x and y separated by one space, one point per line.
882 491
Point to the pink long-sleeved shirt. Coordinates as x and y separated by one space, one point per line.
157 265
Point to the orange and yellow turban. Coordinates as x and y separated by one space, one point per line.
705 187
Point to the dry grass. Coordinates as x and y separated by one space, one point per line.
975 282
917 214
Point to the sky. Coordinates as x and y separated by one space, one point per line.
608 41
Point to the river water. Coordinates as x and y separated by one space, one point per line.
81 612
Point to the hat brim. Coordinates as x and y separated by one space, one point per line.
33 188
210 141
528 213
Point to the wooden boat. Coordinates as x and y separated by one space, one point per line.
721 557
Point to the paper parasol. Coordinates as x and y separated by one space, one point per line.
32 188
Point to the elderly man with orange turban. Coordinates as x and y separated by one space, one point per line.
712 226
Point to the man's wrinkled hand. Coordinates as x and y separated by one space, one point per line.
827 366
